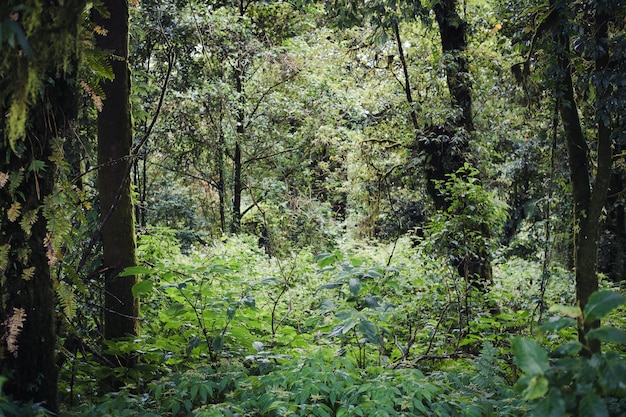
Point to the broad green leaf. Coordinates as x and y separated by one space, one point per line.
530 356
218 344
558 324
537 387
593 406
370 332
608 334
568 349
552 405
325 259
136 270
355 286
142 287
372 302
602 303
568 311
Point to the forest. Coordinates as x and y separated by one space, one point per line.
312 208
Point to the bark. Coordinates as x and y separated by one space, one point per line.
588 202
32 367
114 150
448 145
27 355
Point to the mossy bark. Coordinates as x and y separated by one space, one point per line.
449 145
38 86
115 136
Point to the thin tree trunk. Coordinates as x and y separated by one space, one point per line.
114 150
449 149
588 202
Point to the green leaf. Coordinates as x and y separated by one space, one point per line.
370 332
537 387
568 311
593 406
218 344
325 259
558 324
608 334
602 303
136 270
568 349
142 287
530 356
355 286
552 405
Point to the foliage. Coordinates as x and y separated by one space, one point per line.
561 381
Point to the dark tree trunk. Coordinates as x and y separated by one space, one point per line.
114 150
31 367
588 202
448 145
27 314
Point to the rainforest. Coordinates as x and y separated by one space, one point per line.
312 208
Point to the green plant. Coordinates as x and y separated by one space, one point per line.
564 382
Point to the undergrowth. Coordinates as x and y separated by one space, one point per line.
365 330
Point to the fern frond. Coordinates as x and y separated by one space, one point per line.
14 211
67 299
28 220
4 257
51 253
28 273
4 178
13 327
99 64
15 180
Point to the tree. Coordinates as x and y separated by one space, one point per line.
39 96
589 196
115 139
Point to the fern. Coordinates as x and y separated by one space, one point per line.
14 211
13 327
4 257
4 178
98 63
15 180
28 220
67 299
489 372
28 273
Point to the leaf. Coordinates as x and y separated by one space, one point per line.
537 387
593 406
325 259
602 303
568 349
553 405
372 302
14 211
370 332
142 287
355 286
558 324
218 344
568 311
136 270
608 334
530 356
21 37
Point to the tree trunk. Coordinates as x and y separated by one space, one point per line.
450 144
588 202
116 208
27 313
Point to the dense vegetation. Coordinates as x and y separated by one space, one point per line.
340 208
